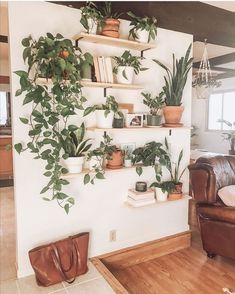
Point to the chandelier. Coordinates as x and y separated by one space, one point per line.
203 80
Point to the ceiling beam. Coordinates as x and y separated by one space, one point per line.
222 59
226 75
197 18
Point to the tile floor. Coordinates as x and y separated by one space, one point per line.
90 283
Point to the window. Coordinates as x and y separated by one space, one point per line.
4 108
221 106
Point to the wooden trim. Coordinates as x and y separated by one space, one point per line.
4 80
109 277
143 252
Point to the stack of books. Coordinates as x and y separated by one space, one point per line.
103 69
138 199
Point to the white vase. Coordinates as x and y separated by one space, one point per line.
74 164
129 72
161 197
127 162
92 26
102 121
142 36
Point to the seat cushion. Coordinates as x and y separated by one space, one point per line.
227 195
219 213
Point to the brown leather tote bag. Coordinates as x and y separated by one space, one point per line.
62 260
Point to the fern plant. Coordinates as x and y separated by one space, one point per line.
175 80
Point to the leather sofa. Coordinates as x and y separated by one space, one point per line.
216 220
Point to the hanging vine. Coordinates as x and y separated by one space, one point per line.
52 86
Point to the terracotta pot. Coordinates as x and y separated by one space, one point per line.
178 187
111 28
231 152
174 196
173 114
116 161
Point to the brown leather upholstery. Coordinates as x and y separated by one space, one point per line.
217 221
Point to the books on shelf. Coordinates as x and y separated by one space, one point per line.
103 69
138 199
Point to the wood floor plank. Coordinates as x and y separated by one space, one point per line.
182 272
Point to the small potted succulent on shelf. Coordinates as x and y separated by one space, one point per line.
143 28
155 105
229 135
75 148
127 153
90 17
109 21
174 86
163 189
105 112
126 66
86 66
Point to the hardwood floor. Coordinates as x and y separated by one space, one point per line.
183 272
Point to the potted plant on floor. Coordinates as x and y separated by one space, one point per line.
174 86
109 21
75 147
143 28
105 112
126 66
155 105
50 57
230 135
90 17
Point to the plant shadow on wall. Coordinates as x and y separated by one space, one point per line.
54 58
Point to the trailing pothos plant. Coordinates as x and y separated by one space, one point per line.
54 58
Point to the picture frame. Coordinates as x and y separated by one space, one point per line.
134 120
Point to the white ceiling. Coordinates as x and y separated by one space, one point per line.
227 5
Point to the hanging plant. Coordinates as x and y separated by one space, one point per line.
50 57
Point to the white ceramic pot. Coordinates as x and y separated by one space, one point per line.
161 197
92 26
129 71
142 36
127 162
102 121
74 164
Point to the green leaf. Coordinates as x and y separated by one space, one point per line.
24 120
100 176
59 36
18 147
44 190
25 42
71 200
21 73
34 132
27 99
46 199
139 170
47 134
65 156
61 196
66 208
26 53
86 179
18 92
64 170
47 174
72 128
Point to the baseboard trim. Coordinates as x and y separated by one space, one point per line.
130 256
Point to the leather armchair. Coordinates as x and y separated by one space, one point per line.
216 221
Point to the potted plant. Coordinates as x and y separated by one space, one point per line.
75 147
126 66
149 155
155 105
115 158
86 67
230 135
118 120
127 153
97 159
50 56
143 28
90 17
109 22
163 189
174 86
105 112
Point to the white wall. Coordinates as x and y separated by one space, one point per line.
98 208
208 140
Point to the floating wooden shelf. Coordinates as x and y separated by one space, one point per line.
185 197
94 129
107 170
109 85
115 42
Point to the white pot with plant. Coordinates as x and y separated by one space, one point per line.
162 190
143 28
155 104
104 112
90 17
126 66
75 148
229 135
128 157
